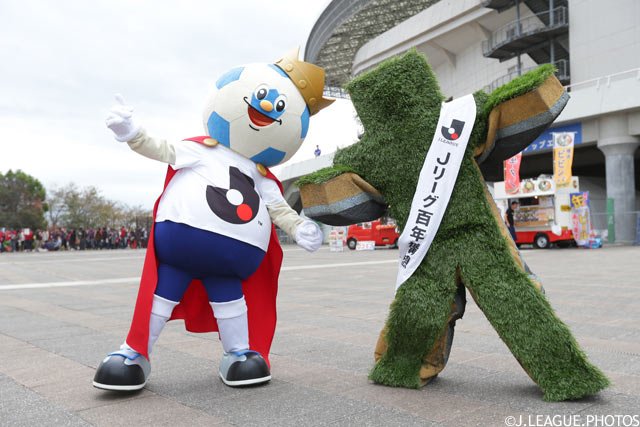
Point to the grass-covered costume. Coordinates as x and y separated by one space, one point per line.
399 104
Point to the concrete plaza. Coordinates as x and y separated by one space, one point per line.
61 313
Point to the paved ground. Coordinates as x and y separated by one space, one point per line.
332 306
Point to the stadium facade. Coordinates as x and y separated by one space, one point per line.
482 44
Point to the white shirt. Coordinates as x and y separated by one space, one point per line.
185 200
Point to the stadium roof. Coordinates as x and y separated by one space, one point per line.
345 25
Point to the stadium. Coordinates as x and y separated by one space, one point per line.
481 44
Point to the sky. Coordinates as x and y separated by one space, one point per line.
62 62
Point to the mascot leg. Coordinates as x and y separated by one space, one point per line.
126 369
438 356
185 254
160 314
233 325
239 365
522 316
415 342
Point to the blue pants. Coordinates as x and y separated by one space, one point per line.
185 253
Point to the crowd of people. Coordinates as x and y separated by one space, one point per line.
60 238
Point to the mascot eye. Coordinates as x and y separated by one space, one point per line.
281 103
261 92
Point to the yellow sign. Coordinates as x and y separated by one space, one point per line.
578 200
562 158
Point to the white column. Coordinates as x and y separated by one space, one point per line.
618 148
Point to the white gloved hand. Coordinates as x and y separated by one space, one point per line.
309 236
121 122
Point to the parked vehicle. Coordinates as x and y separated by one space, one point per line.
383 232
543 216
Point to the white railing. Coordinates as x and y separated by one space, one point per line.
335 92
526 26
606 80
597 82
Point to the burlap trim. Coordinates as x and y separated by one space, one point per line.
345 186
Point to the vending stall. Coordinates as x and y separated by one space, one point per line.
543 216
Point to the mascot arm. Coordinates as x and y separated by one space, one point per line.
517 113
337 196
285 217
156 149
307 234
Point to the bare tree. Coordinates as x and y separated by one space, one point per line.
57 205
74 207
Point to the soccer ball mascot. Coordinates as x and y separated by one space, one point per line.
422 159
213 257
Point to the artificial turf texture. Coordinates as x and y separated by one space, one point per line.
522 84
323 175
399 105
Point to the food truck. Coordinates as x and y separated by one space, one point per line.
543 216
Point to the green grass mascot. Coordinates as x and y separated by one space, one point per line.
399 104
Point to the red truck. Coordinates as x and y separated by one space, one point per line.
382 232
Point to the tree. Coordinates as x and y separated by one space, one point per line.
87 208
74 207
57 206
137 216
22 201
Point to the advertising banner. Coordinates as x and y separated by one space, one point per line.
579 200
580 217
562 158
512 174
337 239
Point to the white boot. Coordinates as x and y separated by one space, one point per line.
232 324
126 369
160 313
239 365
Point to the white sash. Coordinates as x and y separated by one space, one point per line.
435 185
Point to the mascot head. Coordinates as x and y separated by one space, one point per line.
262 111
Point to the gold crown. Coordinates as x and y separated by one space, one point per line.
308 78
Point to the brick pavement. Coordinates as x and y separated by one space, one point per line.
52 338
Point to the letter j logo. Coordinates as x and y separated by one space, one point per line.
452 132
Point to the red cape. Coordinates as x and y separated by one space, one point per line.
260 292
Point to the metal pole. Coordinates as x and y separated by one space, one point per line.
519 66
518 16
519 69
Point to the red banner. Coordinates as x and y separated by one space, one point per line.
512 174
